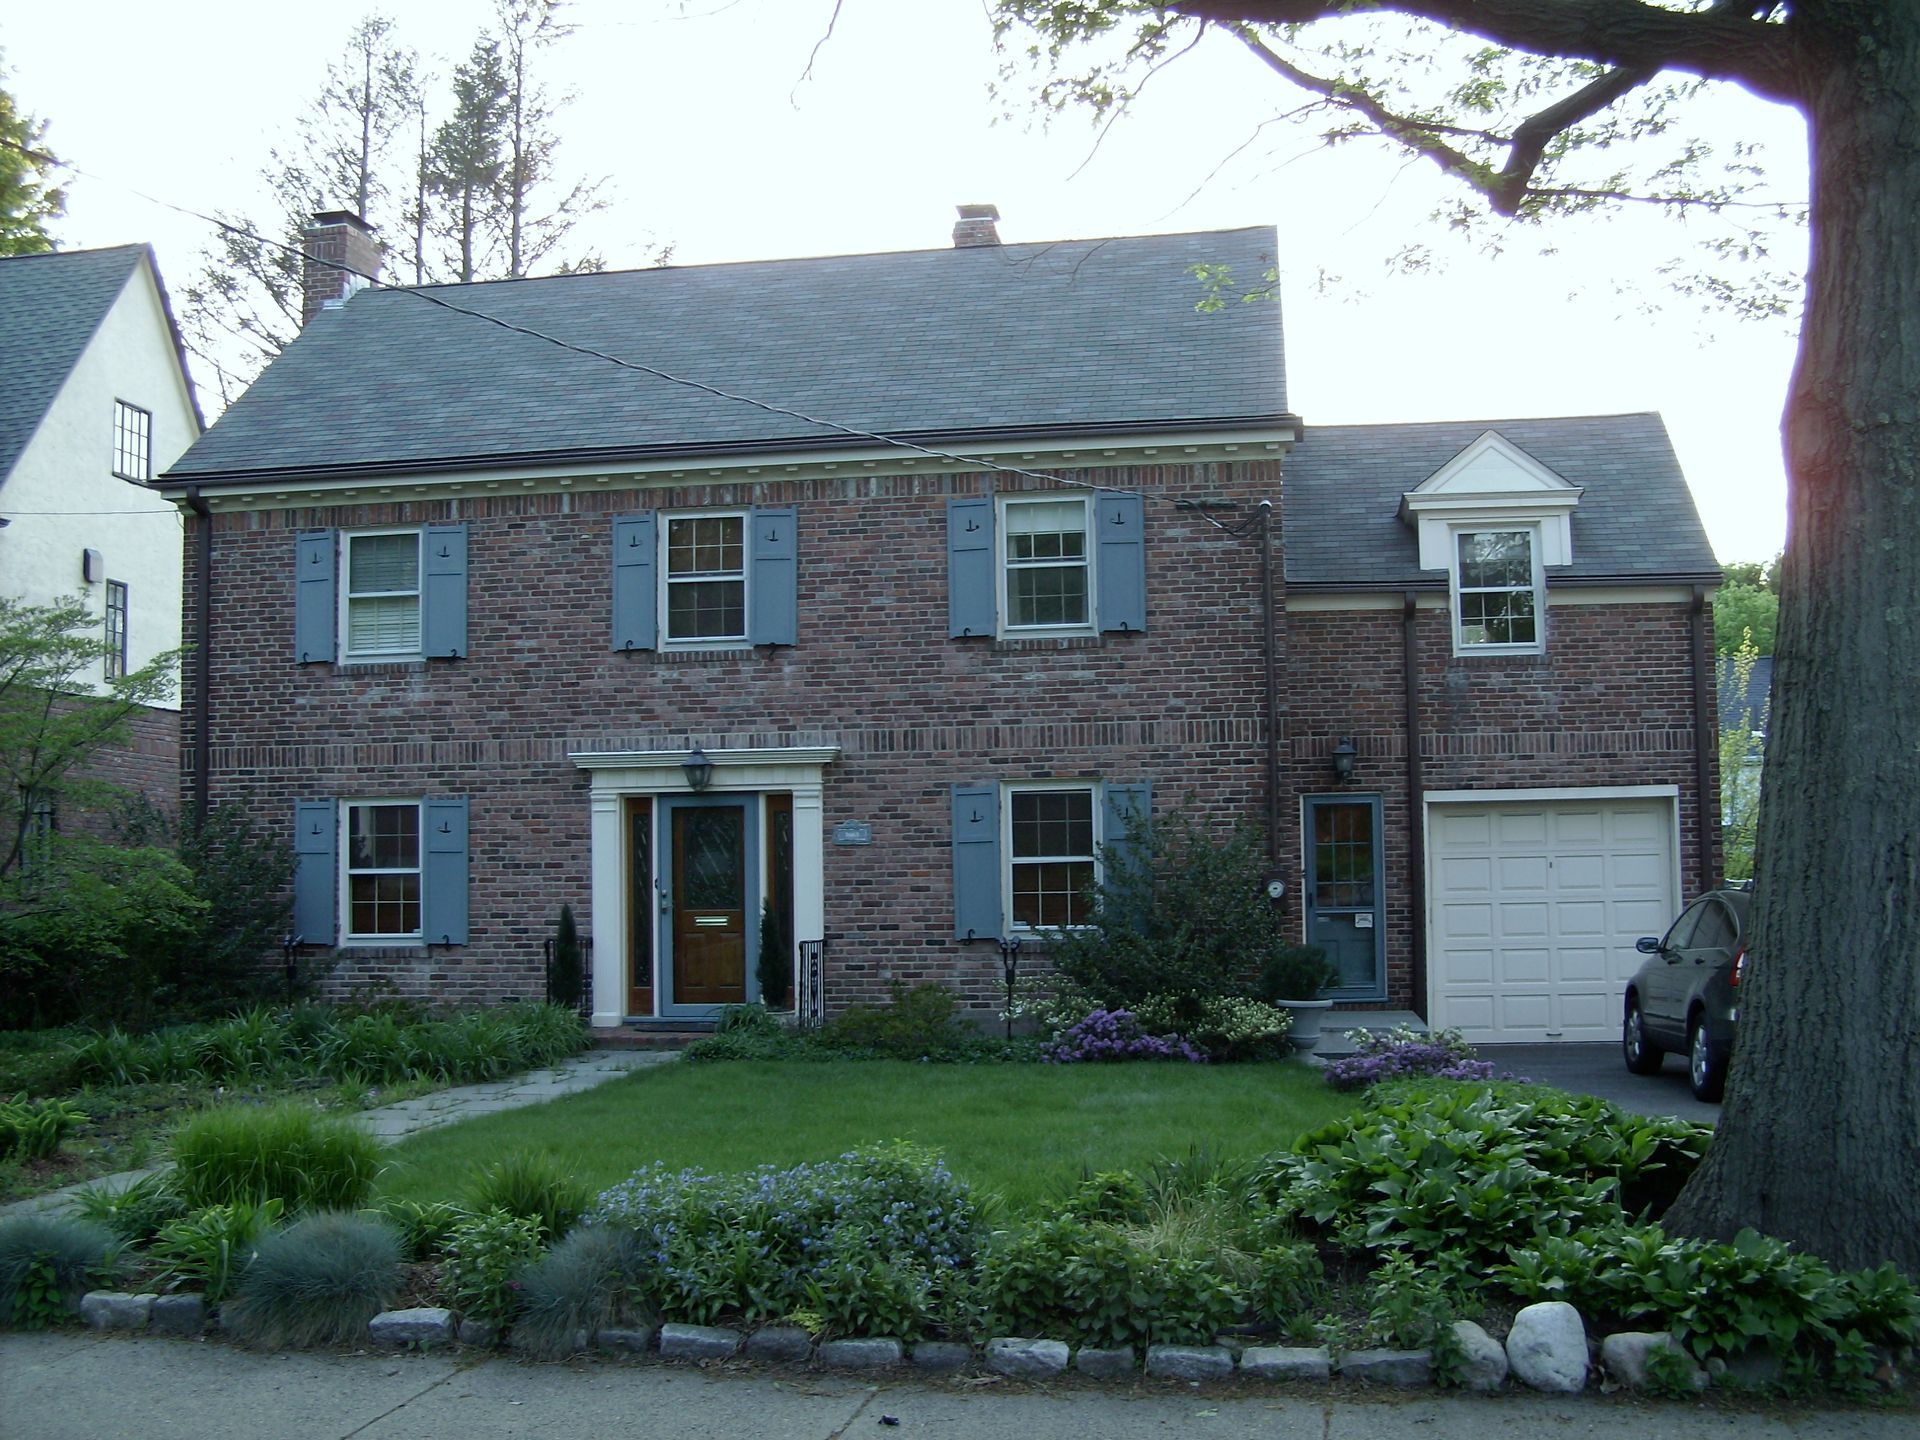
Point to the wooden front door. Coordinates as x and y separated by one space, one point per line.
708 915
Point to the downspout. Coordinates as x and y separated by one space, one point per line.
1416 822
1705 706
1273 688
202 654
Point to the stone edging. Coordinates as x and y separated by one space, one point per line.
1546 1350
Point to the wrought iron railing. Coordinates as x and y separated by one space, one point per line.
583 1002
811 965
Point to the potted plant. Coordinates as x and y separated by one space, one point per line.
1296 979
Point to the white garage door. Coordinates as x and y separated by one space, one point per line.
1535 910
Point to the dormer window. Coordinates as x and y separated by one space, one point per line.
1498 594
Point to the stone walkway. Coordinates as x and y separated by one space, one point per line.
390 1123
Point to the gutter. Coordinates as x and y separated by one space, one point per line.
1273 688
203 653
1416 820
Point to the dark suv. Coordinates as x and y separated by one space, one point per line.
1686 996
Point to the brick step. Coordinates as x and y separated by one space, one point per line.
1335 1024
653 1036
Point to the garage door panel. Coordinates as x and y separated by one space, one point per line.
1536 907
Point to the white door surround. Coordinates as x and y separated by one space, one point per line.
618 774
1534 900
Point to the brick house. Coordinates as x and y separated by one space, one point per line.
94 402
847 606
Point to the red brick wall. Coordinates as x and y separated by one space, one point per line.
147 764
874 672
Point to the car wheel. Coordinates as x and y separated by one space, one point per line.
1642 1055
1706 1065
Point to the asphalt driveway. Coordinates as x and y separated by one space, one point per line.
1599 1070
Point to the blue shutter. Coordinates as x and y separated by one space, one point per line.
775 576
976 862
970 567
443 879
635 600
1119 521
315 612
315 871
443 593
1128 809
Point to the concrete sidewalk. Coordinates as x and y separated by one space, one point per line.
66 1386
427 1112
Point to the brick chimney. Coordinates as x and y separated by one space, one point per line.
976 226
335 238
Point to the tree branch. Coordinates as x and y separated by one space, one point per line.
1732 40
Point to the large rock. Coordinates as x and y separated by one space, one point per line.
1625 1357
1482 1359
179 1314
113 1310
624 1339
483 1334
780 1345
862 1353
1105 1364
1287 1362
697 1342
426 1326
1190 1362
942 1357
1547 1348
1026 1359
1405 1368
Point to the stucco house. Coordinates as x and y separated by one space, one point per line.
94 403
849 605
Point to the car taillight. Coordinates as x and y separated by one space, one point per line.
1739 965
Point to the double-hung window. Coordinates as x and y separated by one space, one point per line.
383 870
132 442
382 595
116 629
1045 566
705 579
1497 590
1051 855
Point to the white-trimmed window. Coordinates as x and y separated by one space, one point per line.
132 442
1499 591
116 629
380 595
1046 573
703 579
381 860
1052 846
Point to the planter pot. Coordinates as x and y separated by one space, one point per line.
1307 1014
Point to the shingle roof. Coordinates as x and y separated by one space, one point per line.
50 307
1093 334
1343 483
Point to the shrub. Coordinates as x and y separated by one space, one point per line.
485 1255
858 1290
1116 1035
1400 1053
422 1225
1224 1027
566 980
918 1023
579 1285
1296 972
1091 1284
33 1129
317 1282
136 1213
212 1247
46 1261
284 1152
534 1186
1455 1173
775 966
1111 1195
1180 912
1287 1282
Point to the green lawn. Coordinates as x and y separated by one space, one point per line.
1020 1131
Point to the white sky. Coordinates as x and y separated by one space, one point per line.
713 144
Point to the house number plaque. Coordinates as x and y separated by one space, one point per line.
853 832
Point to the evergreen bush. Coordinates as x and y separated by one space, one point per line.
566 981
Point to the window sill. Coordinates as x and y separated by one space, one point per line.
1015 644
679 655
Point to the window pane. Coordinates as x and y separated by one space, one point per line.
1050 518
389 624
1056 823
1047 595
383 837
382 563
706 610
384 905
706 545
1496 557
1052 894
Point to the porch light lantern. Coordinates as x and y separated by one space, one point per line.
1343 757
699 770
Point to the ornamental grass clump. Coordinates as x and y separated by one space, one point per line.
286 1152
46 1261
535 1186
579 1286
317 1282
1109 1035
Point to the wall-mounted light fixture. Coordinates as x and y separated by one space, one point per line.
699 770
1343 757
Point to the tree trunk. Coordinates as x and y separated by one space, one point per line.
1819 1138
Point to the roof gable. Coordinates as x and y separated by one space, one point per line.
1492 481
1079 337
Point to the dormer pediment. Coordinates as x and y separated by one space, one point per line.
1492 482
